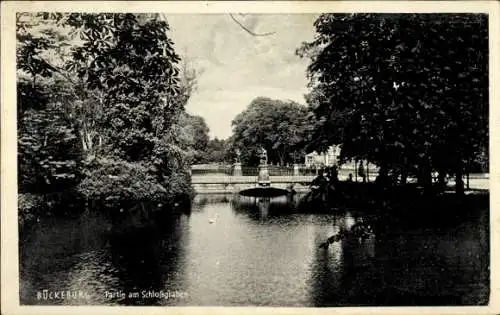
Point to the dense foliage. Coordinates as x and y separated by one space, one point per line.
277 126
194 138
218 151
99 101
407 92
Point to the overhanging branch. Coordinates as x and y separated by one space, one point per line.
248 30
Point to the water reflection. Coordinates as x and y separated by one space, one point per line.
258 251
264 204
200 201
263 208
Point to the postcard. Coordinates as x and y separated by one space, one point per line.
249 157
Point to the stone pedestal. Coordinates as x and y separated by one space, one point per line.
237 169
296 170
263 178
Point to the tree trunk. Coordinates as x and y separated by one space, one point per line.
428 182
459 182
282 160
441 180
404 177
356 170
382 176
467 173
90 143
84 143
367 171
425 179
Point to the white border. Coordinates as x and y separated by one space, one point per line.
9 231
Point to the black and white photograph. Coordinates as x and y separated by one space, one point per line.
251 159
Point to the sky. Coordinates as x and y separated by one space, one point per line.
236 67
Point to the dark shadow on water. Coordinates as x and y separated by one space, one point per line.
422 267
264 192
136 259
148 260
87 254
52 246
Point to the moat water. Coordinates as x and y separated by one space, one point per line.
245 251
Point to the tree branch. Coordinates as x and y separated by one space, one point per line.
247 30
58 70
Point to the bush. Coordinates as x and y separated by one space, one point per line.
29 207
49 152
179 186
113 180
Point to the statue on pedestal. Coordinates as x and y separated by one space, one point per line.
263 156
263 178
238 154
237 165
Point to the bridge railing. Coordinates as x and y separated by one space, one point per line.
210 169
274 170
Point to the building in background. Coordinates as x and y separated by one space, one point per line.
328 158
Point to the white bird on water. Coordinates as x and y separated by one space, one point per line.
214 219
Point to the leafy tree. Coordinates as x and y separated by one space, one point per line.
382 85
101 91
216 150
49 152
131 59
277 126
48 146
229 150
194 137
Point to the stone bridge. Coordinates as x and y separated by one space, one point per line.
219 183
